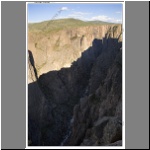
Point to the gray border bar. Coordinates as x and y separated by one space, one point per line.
137 75
13 103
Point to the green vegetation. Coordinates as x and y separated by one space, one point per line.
56 25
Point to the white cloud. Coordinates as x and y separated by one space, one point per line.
78 15
74 15
64 8
81 13
106 19
118 12
84 16
102 18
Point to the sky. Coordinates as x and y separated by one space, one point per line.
108 12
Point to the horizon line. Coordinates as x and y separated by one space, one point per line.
75 19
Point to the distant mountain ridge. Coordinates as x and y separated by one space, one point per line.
63 23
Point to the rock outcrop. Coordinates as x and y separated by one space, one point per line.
78 101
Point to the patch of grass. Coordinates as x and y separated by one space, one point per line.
57 25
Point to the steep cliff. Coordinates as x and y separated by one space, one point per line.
75 85
59 46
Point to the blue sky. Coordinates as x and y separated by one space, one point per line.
110 12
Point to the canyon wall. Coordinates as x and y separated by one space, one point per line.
75 87
56 50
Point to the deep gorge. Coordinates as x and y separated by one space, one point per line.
83 100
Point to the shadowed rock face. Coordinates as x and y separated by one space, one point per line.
82 104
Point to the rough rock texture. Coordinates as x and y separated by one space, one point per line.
98 116
80 104
118 143
53 51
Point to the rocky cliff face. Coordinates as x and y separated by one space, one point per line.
75 87
56 50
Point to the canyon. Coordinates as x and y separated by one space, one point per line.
75 84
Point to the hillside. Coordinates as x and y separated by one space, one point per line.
74 83
55 25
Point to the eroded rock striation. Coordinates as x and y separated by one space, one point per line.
77 101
